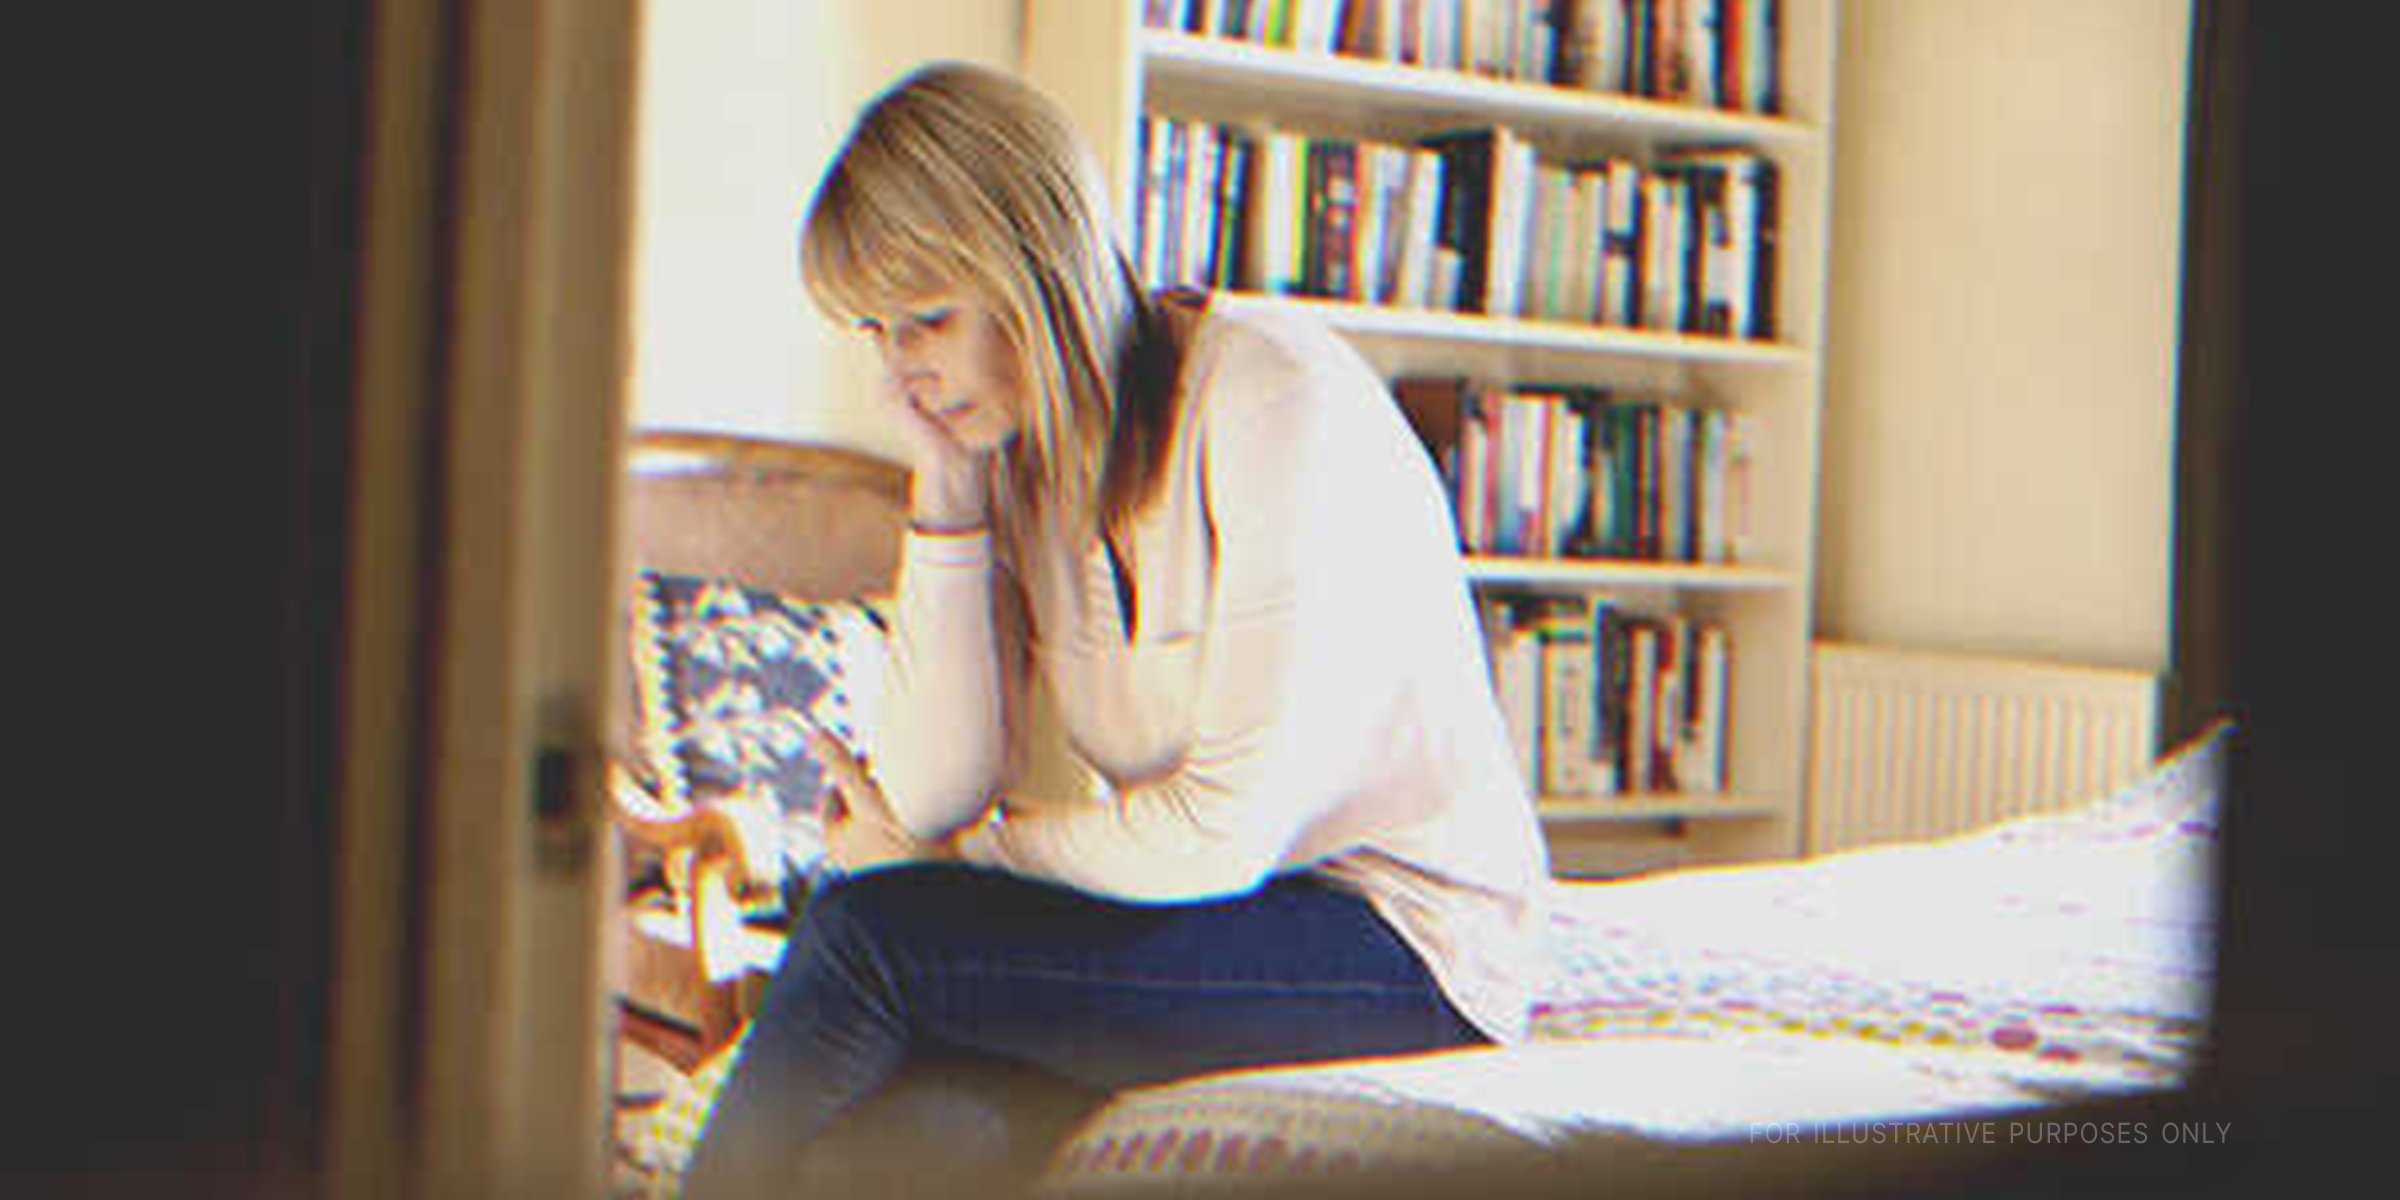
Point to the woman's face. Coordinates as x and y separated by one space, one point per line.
947 356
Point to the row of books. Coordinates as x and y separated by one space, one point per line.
1603 700
1586 472
1468 221
1716 53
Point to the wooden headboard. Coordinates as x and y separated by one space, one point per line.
807 520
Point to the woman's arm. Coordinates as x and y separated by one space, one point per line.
1295 683
940 750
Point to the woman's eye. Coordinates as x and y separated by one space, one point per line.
934 319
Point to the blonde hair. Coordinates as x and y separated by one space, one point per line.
961 176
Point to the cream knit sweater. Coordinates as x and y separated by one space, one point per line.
1303 688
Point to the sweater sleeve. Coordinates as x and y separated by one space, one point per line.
940 743
1288 679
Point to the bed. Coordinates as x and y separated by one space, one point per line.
1977 978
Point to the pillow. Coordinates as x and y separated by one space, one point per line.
728 679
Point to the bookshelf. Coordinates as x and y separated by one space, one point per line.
1115 74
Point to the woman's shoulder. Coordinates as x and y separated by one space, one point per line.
1245 355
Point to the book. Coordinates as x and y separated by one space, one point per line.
1703 49
1414 286
1607 622
1167 14
1516 684
1672 706
1641 706
1537 39
1384 239
1704 768
1515 212
1203 165
1620 264
1568 714
1316 25
1232 209
1591 46
1762 39
1709 458
1334 218
1590 225
1279 220
1172 188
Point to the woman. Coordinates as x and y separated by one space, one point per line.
1190 759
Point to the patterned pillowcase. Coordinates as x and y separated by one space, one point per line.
729 678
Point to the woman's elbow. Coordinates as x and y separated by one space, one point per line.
933 805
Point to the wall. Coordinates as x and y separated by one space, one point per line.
742 104
1998 456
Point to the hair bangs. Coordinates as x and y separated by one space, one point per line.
861 257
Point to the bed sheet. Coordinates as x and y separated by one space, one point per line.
2044 959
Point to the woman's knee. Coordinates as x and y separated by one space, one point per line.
872 924
876 905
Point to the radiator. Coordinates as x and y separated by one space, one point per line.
1907 745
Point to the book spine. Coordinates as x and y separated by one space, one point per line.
1516 683
1153 236
1714 678
1733 49
1766 255
1608 696
1421 206
1646 536
1712 486
1175 188
1738 485
1641 706
1701 48
1674 656
1398 180
1207 166
1676 508
1232 209
1567 716
1473 474
1619 305
1345 217
1769 56
1741 252
1165 14
1512 219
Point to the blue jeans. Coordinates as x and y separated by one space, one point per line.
938 964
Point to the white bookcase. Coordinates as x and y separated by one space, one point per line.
1096 57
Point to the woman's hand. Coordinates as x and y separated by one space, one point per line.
861 831
946 481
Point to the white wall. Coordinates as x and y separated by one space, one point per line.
1999 449
742 104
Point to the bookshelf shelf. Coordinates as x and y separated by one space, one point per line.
1708 442
1601 810
1435 325
1226 75
1562 574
